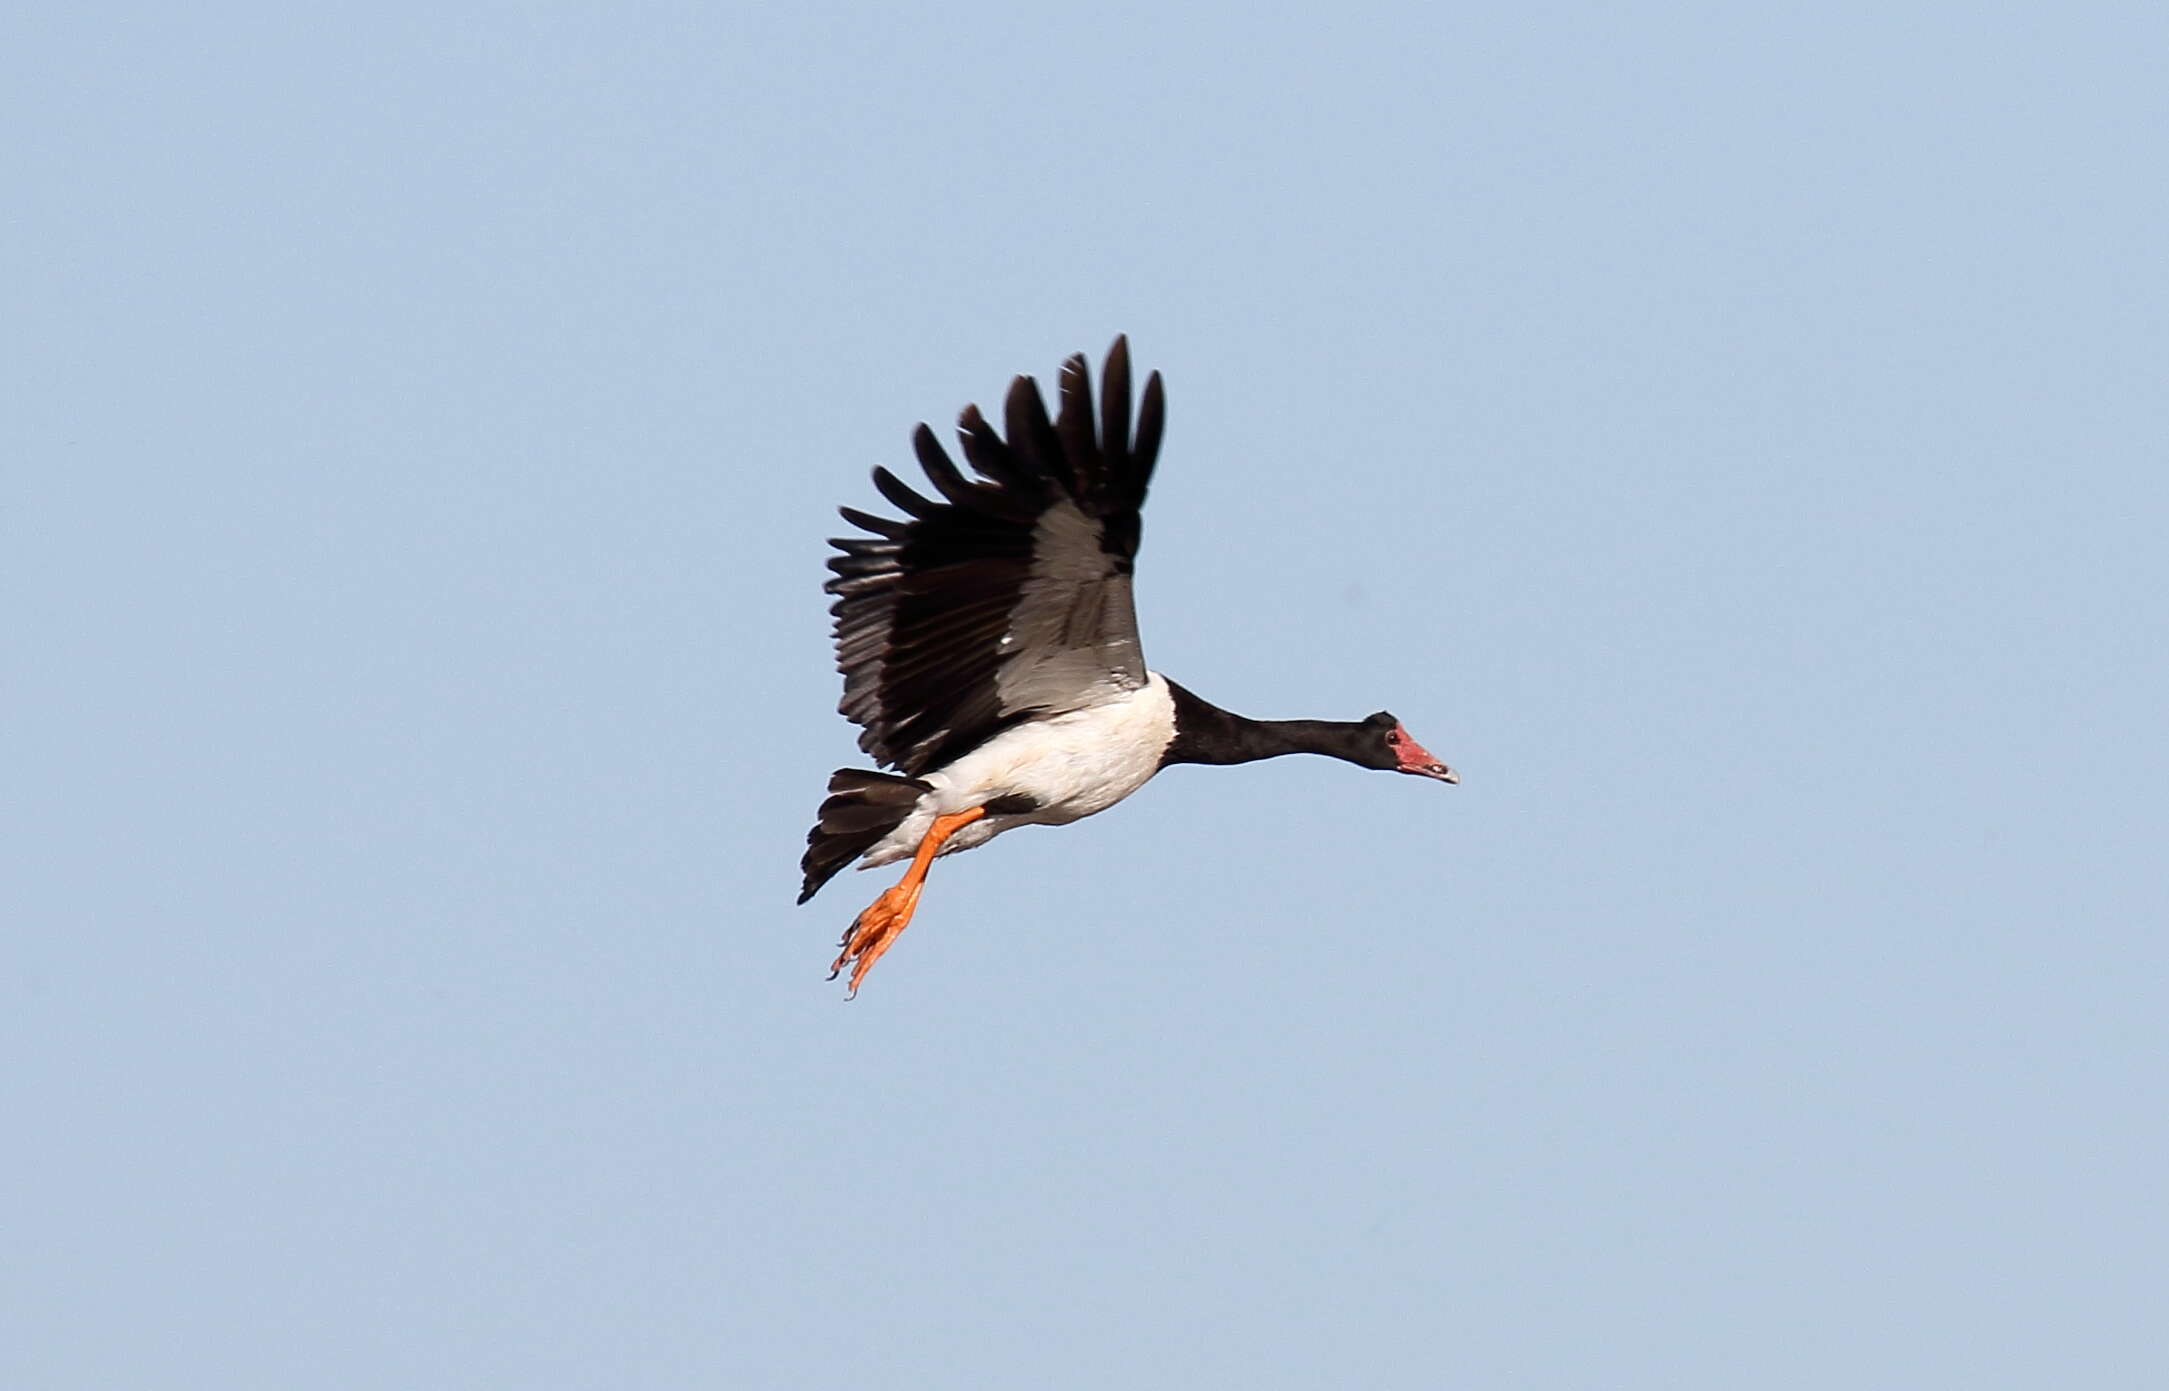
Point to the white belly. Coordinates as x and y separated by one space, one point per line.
1070 765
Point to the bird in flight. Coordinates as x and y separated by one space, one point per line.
988 645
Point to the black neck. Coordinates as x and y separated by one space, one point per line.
1205 733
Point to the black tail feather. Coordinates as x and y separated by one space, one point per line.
862 807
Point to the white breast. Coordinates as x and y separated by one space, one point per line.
1071 765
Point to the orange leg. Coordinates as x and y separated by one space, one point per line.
876 930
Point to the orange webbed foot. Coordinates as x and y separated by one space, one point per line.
873 932
876 930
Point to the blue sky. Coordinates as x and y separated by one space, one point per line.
1732 436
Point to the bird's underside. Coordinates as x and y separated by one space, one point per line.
1046 771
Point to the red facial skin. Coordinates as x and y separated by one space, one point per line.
1415 758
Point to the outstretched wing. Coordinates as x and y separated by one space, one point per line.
1010 595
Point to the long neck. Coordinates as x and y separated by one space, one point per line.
1205 733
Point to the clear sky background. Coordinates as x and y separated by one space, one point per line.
1733 436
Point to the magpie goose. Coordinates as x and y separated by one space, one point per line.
988 645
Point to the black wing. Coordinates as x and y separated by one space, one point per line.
1009 596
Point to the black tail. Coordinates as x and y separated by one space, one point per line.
863 806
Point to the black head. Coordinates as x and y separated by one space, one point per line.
1389 747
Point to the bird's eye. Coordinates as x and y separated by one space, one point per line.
1394 737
